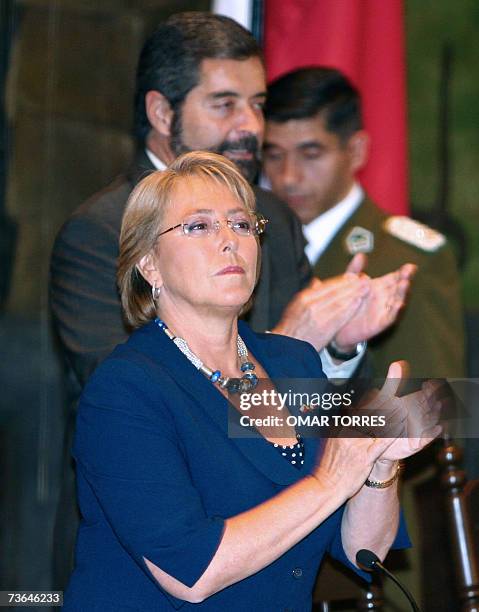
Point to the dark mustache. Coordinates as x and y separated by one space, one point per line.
247 143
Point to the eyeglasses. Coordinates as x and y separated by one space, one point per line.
202 225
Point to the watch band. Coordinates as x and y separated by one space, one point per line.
384 484
334 351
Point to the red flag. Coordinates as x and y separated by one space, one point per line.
364 39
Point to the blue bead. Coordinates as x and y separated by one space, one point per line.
251 379
215 376
246 366
161 324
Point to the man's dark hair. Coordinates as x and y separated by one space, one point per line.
171 57
306 92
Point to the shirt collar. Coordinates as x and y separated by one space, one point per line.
156 161
322 230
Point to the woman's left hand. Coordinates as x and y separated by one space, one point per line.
419 414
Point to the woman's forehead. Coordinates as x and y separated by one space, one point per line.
194 193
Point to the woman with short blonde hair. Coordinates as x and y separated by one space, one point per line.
175 512
143 216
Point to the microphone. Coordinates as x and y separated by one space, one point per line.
371 562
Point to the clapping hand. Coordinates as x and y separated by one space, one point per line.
379 308
411 424
348 308
317 313
413 418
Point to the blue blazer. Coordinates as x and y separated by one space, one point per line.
158 475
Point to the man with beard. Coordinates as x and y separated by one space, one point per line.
201 85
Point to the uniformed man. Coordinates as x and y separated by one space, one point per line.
314 146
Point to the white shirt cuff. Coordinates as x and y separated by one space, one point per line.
344 369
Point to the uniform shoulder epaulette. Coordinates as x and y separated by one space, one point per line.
415 233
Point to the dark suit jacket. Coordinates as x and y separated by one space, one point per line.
83 292
429 334
158 475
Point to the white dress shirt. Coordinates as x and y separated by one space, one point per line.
322 230
319 234
156 161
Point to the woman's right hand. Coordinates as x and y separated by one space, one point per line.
346 461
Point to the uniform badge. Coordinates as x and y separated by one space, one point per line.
415 233
359 240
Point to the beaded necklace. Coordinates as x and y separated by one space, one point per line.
248 381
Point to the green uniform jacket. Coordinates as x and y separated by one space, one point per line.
429 333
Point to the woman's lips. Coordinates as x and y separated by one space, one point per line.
231 270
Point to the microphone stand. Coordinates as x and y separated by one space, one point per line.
379 566
371 562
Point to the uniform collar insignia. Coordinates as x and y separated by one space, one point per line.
359 240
